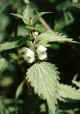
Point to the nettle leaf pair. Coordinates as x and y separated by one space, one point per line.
29 15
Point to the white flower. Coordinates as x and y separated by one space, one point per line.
29 55
41 51
36 33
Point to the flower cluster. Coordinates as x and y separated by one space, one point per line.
29 54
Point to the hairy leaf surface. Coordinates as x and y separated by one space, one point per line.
44 78
66 91
28 15
76 83
11 44
54 37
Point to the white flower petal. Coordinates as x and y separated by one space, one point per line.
42 57
31 60
29 52
41 49
36 33
29 55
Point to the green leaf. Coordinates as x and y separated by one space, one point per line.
28 15
42 108
64 6
3 64
59 25
6 81
68 17
38 15
6 65
76 83
66 91
11 44
44 78
47 37
19 89
17 15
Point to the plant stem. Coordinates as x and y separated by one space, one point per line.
45 24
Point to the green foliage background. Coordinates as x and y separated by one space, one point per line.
18 97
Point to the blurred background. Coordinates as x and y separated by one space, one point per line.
65 18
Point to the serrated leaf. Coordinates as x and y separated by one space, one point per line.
76 83
44 78
11 44
66 91
47 37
